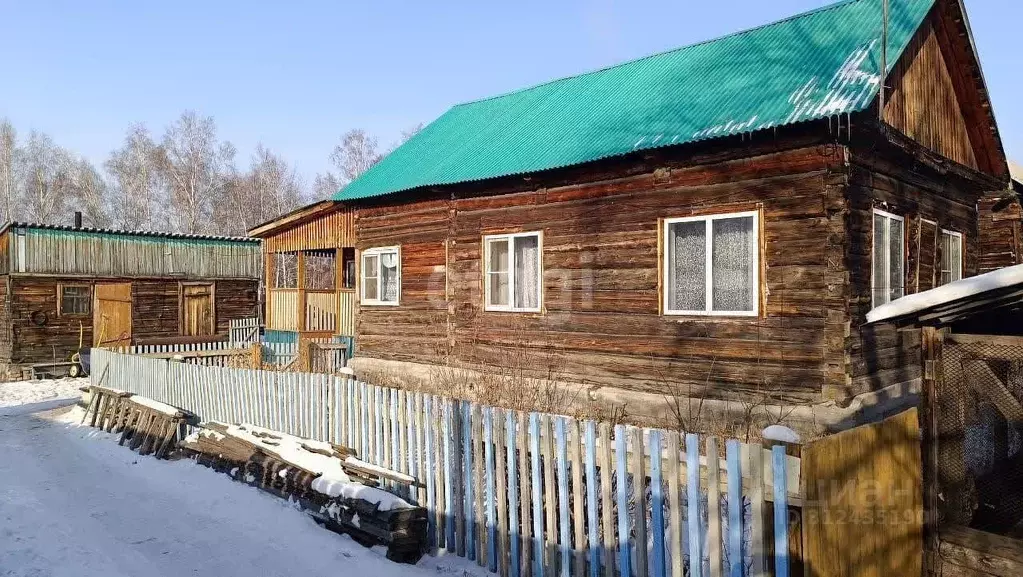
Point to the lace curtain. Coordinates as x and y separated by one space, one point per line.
389 276
527 271
734 246
688 278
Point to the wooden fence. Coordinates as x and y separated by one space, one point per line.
522 494
244 331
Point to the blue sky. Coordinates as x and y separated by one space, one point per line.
296 75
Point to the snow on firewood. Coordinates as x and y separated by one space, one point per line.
316 457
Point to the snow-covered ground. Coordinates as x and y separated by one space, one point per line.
31 396
75 503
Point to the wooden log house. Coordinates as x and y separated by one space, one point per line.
718 218
66 287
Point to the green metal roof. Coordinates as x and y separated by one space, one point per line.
815 65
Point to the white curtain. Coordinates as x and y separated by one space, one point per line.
688 275
734 246
527 272
389 276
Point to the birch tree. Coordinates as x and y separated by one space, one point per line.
40 161
268 189
195 167
136 187
356 153
8 144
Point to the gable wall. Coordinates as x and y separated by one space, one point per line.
923 103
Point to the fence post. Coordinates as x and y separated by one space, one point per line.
256 355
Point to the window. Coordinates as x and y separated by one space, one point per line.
513 272
712 265
348 268
381 276
951 256
888 255
75 299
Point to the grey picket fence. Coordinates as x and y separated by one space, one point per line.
523 494
244 331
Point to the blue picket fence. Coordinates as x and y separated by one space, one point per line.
523 494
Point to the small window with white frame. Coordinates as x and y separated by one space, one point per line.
951 256
381 276
888 256
712 265
513 272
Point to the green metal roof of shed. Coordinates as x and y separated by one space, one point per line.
811 66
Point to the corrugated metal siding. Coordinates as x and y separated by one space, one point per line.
43 251
815 65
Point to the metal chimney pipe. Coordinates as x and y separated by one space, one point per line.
78 219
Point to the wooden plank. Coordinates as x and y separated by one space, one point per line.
985 553
693 503
491 497
539 560
639 500
714 510
479 530
992 387
781 514
549 491
606 510
578 500
561 459
591 499
431 483
503 464
451 472
675 505
624 534
525 494
735 508
515 499
886 458
756 497
656 506
469 480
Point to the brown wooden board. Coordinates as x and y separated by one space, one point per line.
863 511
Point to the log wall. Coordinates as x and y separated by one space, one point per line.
601 321
881 356
155 313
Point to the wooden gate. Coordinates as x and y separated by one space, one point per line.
863 509
111 321
197 313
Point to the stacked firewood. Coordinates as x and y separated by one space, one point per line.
147 426
401 529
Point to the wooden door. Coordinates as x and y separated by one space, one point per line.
197 310
111 320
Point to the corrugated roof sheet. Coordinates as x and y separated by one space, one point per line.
133 233
815 65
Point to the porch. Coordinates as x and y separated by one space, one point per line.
309 270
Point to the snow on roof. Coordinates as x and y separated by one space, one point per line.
958 290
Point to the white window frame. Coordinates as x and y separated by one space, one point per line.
510 239
709 265
379 252
887 277
962 249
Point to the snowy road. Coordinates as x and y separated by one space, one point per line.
74 503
